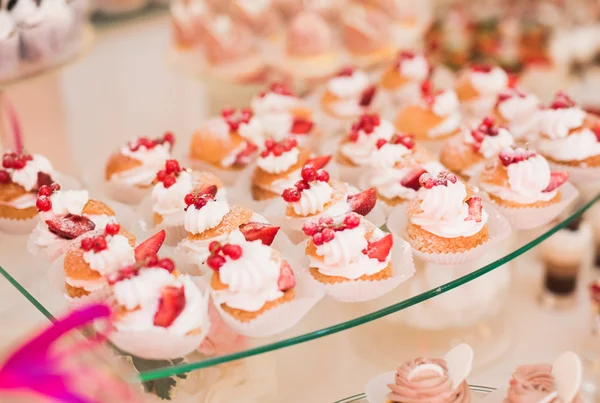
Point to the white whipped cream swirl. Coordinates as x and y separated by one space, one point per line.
388 155
273 102
491 83
360 151
491 145
252 131
416 68
169 202
66 202
27 177
118 253
152 160
444 212
313 200
278 164
348 86
197 221
557 123
575 147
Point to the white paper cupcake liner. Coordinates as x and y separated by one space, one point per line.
533 217
498 230
281 317
358 291
377 390
578 175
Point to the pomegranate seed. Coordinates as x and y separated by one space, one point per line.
87 244
328 234
214 247
323 176
45 190
28 157
318 239
112 228
215 262
310 228
172 166
408 141
43 203
380 143
4 177
291 195
169 181
233 251
188 199
99 243
309 173
167 264
352 221
301 185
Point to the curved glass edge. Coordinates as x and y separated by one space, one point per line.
340 327
361 396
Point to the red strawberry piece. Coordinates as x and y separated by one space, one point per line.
71 226
380 249
171 304
596 131
43 179
301 126
319 162
475 209
346 72
362 203
411 179
513 79
245 156
150 246
261 231
286 278
367 96
556 179
210 190
4 176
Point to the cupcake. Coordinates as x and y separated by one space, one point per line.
446 216
516 111
88 263
168 196
249 278
256 15
227 143
466 154
346 96
65 215
478 88
158 312
401 82
568 135
347 248
310 52
9 45
432 116
130 171
188 17
278 168
20 178
366 36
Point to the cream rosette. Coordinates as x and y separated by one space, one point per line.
426 380
25 227
135 332
488 84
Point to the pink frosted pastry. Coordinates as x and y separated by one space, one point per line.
426 380
477 89
532 384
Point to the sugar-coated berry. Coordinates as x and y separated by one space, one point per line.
112 228
43 203
214 247
45 190
99 243
309 173
215 262
301 185
328 234
352 221
167 264
4 177
169 181
318 239
325 221
310 228
291 195
172 166
200 202
323 176
233 251
161 175
87 244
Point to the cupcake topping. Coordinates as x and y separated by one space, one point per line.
108 252
488 139
203 211
488 80
168 176
324 230
563 116
310 194
173 184
393 151
145 144
219 253
519 110
364 136
278 157
308 35
412 65
278 99
529 173
442 103
28 171
349 83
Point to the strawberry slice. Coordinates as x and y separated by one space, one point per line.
70 226
475 209
362 203
301 126
319 162
150 246
556 179
209 190
411 179
245 156
596 131
261 231
170 305
44 179
380 249
367 96
286 278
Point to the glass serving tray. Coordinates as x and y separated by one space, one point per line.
478 394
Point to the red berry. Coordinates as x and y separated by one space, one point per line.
328 234
4 177
8 160
310 228
99 243
44 190
146 142
265 153
169 137
172 166
43 203
352 221
199 203
233 251
227 112
325 221
169 181
353 136
426 87
55 187
301 185
152 260
28 157
112 228
87 244
291 195
380 143
188 199
318 239
277 150
214 247
161 175
323 176
215 262
309 173
488 121
167 264
19 163
346 72
269 143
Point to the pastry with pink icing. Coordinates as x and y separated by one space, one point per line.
477 89
567 135
466 154
519 177
366 35
159 313
310 51
21 175
402 80
347 95
517 111
434 115
347 248
88 263
249 278
63 216
446 216
130 171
